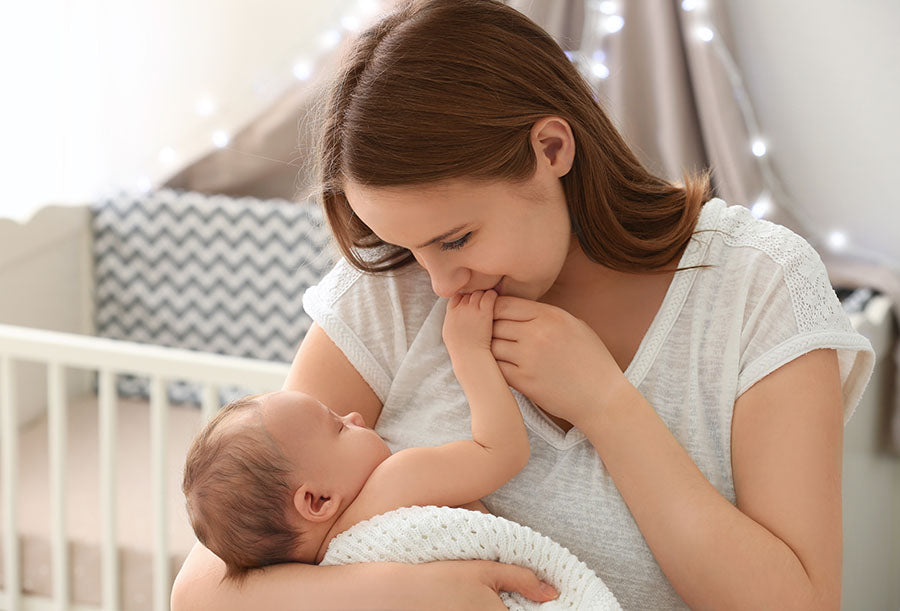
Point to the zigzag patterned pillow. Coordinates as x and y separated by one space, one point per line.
209 273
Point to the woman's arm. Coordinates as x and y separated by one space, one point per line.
781 546
453 584
322 370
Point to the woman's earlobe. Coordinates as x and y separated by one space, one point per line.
554 140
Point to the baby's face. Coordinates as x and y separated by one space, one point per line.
342 451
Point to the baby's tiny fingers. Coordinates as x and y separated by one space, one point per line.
487 302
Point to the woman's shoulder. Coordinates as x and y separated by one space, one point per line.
374 306
372 318
742 246
768 263
740 229
345 283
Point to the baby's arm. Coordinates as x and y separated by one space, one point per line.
458 472
497 422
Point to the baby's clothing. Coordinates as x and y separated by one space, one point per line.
424 534
766 301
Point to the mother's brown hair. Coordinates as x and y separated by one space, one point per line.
450 89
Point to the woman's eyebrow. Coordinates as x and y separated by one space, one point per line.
443 236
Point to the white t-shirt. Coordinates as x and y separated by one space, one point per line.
718 331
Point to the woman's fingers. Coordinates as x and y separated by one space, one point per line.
512 578
516 308
507 329
473 584
504 350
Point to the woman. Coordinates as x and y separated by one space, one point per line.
684 369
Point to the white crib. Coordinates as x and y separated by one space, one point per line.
92 511
59 351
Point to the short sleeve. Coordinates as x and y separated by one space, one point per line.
792 310
372 318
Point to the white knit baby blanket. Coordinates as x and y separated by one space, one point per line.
426 534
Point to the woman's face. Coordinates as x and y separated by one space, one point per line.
473 236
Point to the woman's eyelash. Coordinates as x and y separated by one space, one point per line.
456 244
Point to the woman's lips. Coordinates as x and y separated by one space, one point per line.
497 287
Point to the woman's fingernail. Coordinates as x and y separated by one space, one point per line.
549 590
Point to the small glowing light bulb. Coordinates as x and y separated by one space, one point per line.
205 106
351 23
144 184
762 206
613 23
599 69
168 156
221 138
837 240
368 7
690 5
330 39
706 34
303 70
759 147
608 7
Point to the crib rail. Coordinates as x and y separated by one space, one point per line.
108 357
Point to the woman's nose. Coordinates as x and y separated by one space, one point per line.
447 281
447 278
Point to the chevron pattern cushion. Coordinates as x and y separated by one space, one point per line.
208 273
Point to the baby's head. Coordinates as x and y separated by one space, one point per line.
270 473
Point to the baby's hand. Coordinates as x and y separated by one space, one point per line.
469 324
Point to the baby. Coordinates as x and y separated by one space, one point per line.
275 477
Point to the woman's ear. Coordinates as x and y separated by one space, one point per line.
315 504
554 144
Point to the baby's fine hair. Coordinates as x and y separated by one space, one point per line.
238 490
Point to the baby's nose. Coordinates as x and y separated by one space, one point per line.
357 419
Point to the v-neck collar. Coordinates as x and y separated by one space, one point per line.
653 339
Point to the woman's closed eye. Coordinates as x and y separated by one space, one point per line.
456 244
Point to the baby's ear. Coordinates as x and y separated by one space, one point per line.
316 505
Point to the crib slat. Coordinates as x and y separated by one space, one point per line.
109 547
159 427
56 433
210 402
9 437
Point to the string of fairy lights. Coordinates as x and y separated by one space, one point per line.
302 67
603 18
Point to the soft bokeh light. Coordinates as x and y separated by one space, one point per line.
220 138
205 106
599 69
759 147
837 241
613 23
762 206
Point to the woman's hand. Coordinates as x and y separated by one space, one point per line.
554 359
473 584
